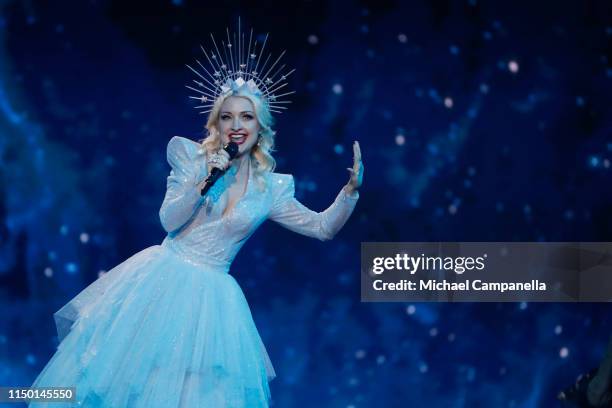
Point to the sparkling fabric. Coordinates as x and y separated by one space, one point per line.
170 327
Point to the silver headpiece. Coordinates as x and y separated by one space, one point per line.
240 68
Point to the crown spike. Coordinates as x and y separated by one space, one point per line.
229 48
201 85
243 60
200 92
248 54
235 51
286 93
275 62
239 49
216 48
222 64
283 77
207 73
227 60
200 75
280 78
215 68
261 51
277 72
272 90
264 66
200 98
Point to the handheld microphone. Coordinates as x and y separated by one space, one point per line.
215 174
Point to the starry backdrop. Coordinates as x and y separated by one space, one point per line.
478 121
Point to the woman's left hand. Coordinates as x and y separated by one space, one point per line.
356 171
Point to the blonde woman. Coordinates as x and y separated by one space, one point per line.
170 327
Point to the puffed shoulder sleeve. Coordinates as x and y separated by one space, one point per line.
293 215
182 196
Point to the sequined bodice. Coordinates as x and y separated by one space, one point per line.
202 235
211 238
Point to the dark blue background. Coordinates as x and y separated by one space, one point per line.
91 92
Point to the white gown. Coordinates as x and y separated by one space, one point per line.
170 327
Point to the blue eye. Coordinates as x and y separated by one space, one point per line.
248 117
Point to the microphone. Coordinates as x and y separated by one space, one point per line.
215 174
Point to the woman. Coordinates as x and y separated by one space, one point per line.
169 327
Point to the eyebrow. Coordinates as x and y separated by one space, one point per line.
240 112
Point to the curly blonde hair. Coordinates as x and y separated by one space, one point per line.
261 153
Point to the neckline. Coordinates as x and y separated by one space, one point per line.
225 213
247 188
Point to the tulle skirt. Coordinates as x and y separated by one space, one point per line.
158 331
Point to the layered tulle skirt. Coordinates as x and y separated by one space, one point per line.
158 331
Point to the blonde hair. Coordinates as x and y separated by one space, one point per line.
261 153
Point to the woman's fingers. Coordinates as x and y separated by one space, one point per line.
357 170
357 163
219 160
356 157
224 162
356 151
225 159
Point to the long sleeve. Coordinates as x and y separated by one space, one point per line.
182 196
293 215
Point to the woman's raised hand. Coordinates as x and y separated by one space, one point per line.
356 171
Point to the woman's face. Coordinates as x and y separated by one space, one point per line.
238 124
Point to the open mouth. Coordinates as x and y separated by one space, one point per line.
238 138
